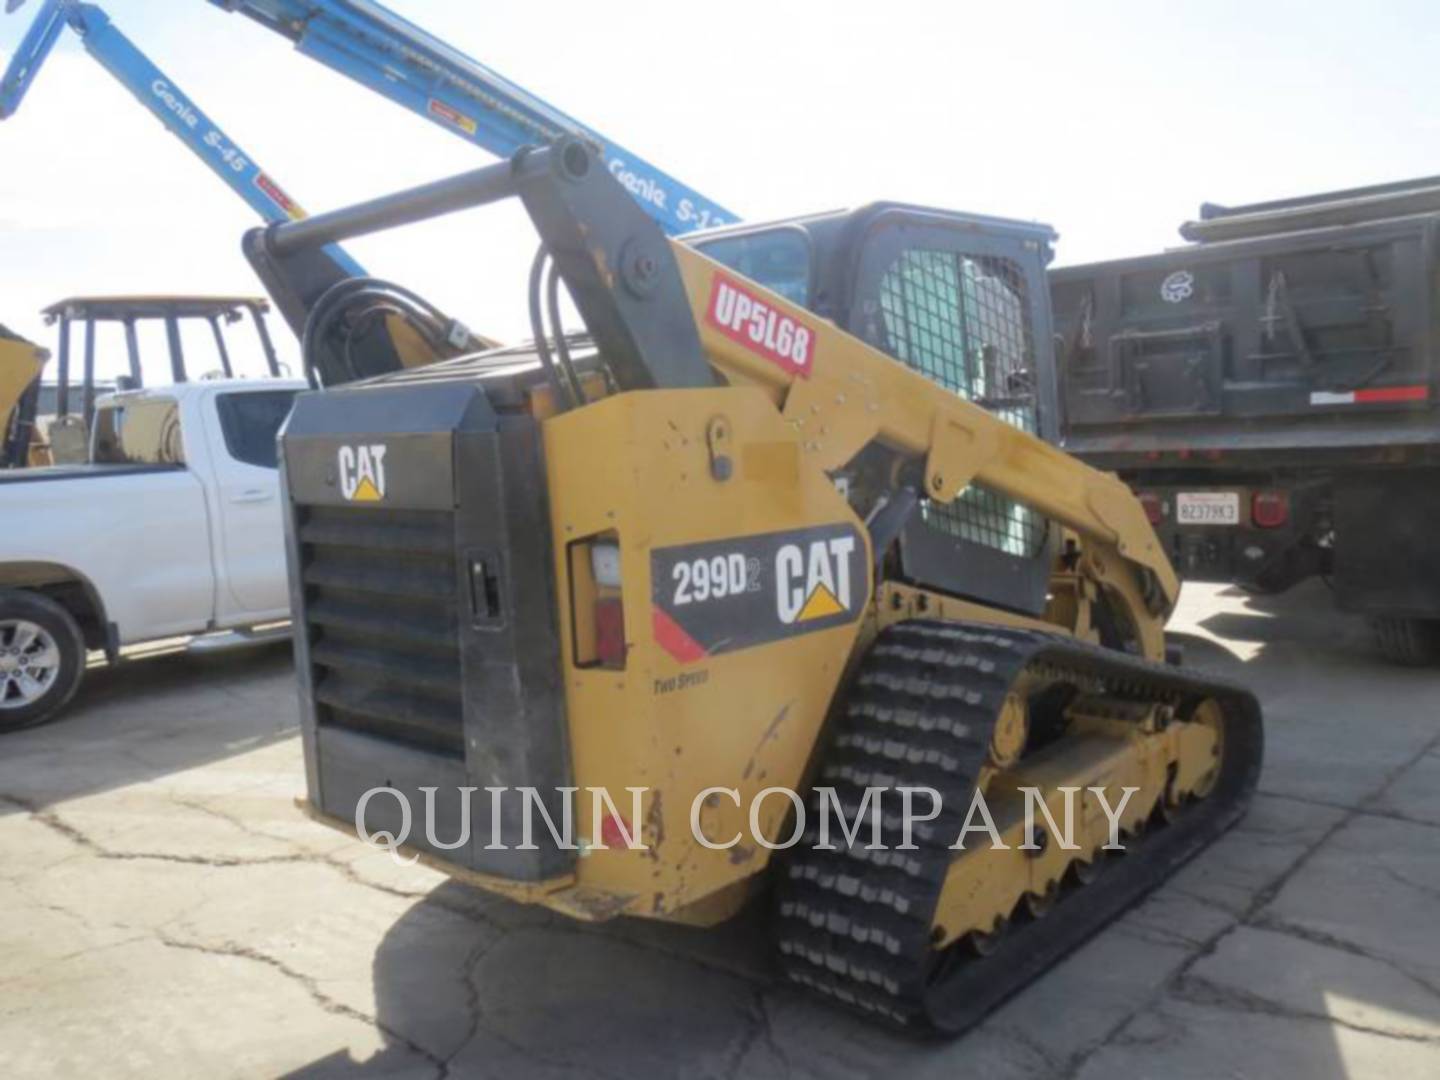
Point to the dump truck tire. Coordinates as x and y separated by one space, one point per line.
1412 642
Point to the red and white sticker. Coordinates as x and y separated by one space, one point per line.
277 195
1385 395
453 116
747 319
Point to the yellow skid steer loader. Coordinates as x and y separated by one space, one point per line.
781 521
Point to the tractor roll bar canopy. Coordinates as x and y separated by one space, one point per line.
129 310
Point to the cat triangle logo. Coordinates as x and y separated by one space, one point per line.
365 491
822 603
813 579
362 473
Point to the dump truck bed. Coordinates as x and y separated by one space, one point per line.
1299 347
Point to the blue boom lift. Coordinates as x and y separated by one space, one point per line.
367 42
118 55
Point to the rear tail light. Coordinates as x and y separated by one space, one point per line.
1154 507
1270 509
610 633
597 607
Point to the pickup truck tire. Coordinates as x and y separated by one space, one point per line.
42 657
1412 642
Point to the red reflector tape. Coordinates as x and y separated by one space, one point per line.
1394 393
1377 396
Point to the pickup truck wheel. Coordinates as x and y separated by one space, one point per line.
1413 642
42 657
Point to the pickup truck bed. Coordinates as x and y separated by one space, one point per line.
175 529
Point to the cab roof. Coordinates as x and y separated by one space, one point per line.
154 307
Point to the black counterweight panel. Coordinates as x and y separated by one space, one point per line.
427 637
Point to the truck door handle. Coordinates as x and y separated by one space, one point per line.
256 495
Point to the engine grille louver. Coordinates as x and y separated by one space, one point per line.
380 612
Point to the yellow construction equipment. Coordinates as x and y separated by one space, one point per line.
20 365
723 548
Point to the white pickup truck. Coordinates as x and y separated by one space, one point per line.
173 529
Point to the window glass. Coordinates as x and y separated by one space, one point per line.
778 259
964 321
143 431
251 421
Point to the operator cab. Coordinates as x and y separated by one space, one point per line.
962 299
951 295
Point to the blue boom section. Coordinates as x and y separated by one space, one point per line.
158 93
376 47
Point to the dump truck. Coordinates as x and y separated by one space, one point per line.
1269 390
742 551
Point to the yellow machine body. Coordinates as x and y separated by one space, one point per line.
751 720
20 365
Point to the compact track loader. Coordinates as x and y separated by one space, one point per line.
723 544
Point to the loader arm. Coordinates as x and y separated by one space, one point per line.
846 393
654 307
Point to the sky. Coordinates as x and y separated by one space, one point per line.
1111 121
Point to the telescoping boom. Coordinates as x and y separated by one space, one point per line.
377 48
159 93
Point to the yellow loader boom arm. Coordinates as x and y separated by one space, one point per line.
844 393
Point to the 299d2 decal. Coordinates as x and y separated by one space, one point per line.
726 595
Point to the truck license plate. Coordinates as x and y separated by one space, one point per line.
1207 508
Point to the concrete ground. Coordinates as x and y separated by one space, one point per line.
165 910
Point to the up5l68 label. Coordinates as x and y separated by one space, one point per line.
745 317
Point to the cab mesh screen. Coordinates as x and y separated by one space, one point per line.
964 322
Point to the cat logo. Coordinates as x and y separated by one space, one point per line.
813 582
719 596
362 473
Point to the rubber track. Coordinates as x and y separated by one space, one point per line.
854 925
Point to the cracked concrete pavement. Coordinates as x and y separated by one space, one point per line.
169 912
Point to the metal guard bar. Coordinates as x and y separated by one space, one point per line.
462 192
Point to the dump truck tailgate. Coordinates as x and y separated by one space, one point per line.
1292 343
